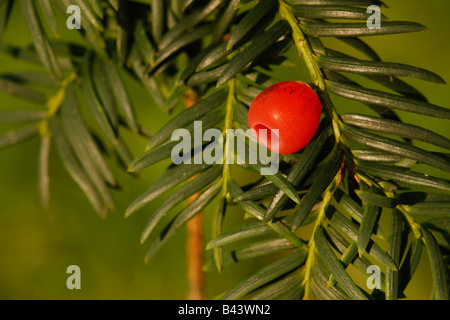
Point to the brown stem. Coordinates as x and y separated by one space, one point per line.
195 246
194 249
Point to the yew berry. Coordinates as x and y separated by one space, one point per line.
292 108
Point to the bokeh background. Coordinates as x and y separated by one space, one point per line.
37 245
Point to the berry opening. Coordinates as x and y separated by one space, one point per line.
267 137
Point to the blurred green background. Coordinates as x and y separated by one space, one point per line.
37 245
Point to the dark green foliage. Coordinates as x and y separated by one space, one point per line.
357 168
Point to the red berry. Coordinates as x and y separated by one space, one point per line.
291 107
